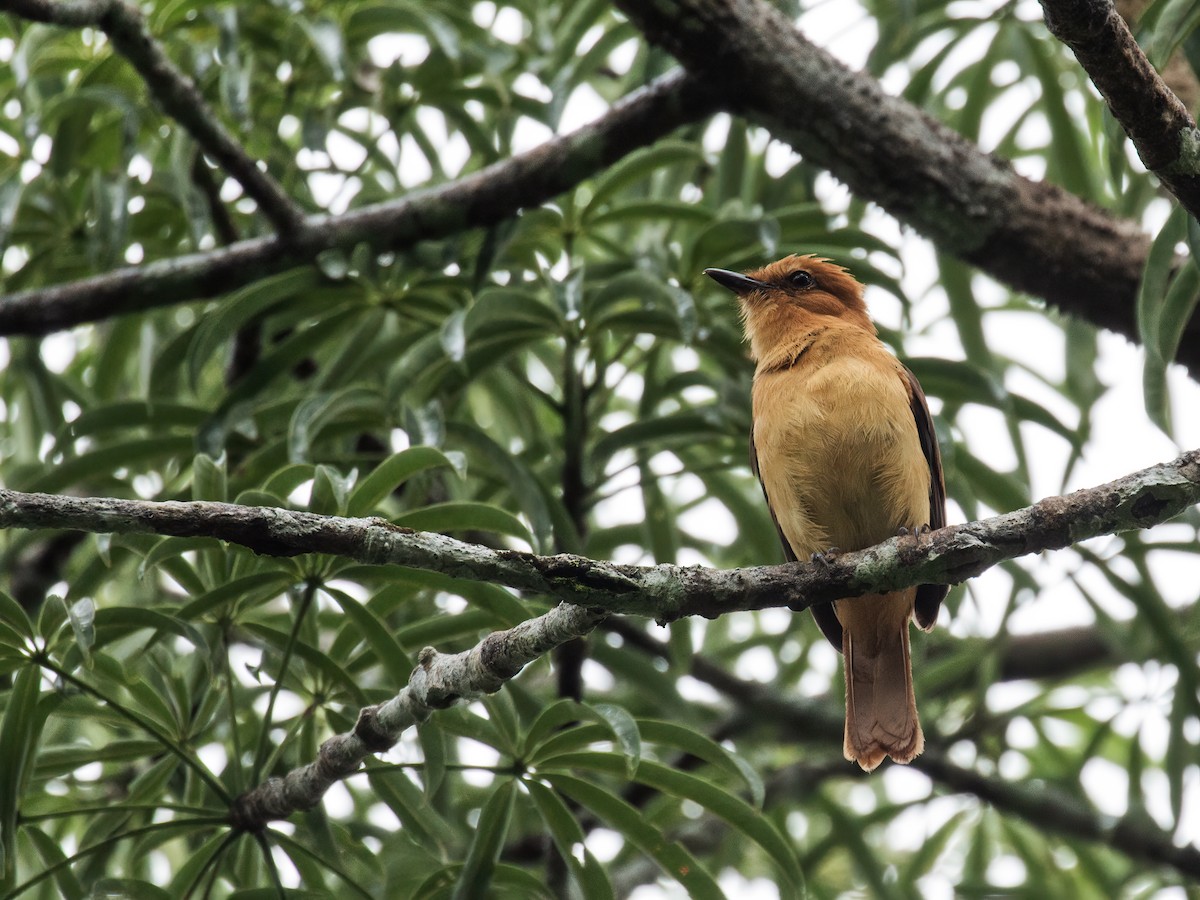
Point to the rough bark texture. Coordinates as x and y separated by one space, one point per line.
664 592
1033 236
1156 121
439 681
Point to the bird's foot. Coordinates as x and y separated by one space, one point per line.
825 557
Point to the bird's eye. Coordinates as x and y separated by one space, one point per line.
801 279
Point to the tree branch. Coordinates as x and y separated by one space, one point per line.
1033 236
665 592
490 195
1048 808
175 92
1157 122
441 680
438 682
801 719
748 59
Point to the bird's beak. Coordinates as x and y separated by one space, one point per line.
735 281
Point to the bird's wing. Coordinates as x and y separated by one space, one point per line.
827 621
929 596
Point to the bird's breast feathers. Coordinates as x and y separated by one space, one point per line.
838 449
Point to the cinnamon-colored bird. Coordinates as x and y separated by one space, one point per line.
844 446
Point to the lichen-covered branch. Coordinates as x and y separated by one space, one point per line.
665 592
439 681
175 92
483 198
1157 122
594 589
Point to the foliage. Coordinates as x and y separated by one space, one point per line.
563 381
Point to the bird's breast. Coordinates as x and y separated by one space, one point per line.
838 451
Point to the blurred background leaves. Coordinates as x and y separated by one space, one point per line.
562 381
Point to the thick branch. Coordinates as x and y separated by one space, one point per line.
1031 235
175 92
483 198
1157 122
665 592
438 682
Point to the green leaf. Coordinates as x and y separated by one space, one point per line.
169 548
625 730
209 479
642 292
660 432
127 889
20 731
630 822
453 336
375 632
329 492
690 741
314 414
490 835
421 822
238 309
14 615
464 515
1176 21
101 464
636 166
546 737
397 469
52 856
589 875
82 615
519 480
1151 303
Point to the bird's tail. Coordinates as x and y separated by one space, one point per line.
881 711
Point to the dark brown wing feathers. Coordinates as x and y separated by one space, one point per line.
929 596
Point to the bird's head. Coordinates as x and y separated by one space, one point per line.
791 297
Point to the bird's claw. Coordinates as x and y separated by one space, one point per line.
825 557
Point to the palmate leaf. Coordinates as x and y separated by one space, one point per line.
468 343
739 814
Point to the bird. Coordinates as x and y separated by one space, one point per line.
844 446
